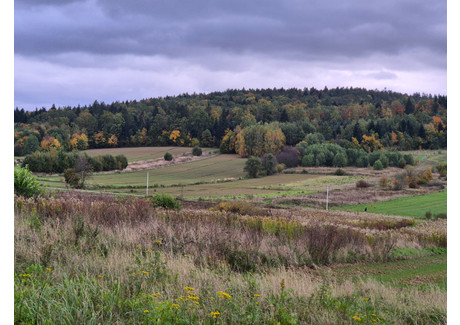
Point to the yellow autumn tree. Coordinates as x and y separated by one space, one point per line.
370 143
50 143
113 141
99 139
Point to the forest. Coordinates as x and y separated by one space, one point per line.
247 122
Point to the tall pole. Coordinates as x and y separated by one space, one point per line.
147 189
327 198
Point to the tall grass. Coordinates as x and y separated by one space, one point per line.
100 259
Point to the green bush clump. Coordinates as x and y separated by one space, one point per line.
378 165
196 151
165 201
25 184
168 156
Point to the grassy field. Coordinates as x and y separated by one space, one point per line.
99 259
414 206
144 153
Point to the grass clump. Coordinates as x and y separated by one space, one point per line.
165 201
25 184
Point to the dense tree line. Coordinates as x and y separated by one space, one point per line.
58 161
350 117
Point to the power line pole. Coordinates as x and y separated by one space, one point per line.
147 189
327 198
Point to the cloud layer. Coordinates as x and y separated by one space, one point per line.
73 52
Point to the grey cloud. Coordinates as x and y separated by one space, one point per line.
239 43
304 30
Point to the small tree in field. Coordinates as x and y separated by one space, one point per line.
253 166
196 151
168 156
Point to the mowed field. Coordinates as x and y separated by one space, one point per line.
413 206
143 153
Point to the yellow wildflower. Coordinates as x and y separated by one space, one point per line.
223 294
146 311
145 272
99 276
175 306
48 269
154 295
189 288
256 295
374 315
25 275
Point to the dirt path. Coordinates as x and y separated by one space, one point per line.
159 162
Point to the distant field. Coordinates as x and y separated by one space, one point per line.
414 206
425 270
428 158
143 153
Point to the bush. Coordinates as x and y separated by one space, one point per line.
409 159
442 169
308 161
253 166
362 161
384 183
72 178
269 163
425 177
340 160
122 162
165 201
362 184
168 156
378 165
290 156
339 172
280 167
25 184
402 163
196 151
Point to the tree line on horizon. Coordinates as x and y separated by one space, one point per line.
247 122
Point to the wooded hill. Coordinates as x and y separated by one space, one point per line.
350 117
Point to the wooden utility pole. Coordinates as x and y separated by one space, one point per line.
147 189
327 198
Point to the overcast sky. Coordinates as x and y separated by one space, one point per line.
71 52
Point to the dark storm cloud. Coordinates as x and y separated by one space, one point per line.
71 52
176 28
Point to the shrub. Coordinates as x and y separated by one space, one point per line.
378 165
340 160
402 163
290 156
269 163
409 159
383 182
196 151
339 172
399 182
425 177
165 201
308 161
168 156
384 160
253 166
280 168
362 161
442 169
362 184
72 178
122 162
25 184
